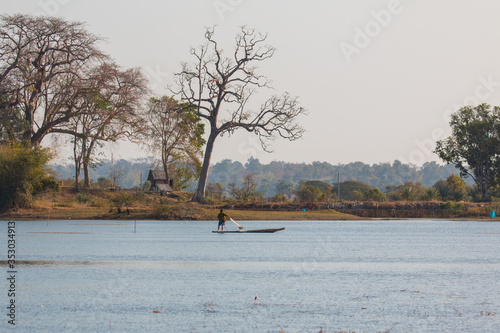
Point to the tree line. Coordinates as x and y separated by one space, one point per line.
380 175
266 176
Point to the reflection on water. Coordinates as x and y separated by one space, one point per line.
363 276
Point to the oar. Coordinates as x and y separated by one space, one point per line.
239 226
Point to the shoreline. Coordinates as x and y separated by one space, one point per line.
203 214
99 204
210 214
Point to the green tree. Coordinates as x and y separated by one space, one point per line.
146 185
430 194
374 194
307 193
176 134
474 145
443 189
351 190
358 195
407 191
324 188
104 182
278 197
457 187
11 120
22 175
285 188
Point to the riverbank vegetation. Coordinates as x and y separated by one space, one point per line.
106 204
135 205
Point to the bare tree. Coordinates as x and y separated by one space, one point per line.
44 59
175 133
14 42
109 109
221 87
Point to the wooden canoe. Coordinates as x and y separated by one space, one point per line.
247 231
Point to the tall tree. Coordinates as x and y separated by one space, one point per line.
221 87
474 146
175 132
109 109
44 60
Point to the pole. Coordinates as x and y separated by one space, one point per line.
338 186
135 226
239 226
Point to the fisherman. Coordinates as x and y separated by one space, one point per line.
222 220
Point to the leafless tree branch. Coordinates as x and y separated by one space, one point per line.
221 89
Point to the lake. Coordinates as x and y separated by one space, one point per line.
178 276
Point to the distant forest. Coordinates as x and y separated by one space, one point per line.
128 173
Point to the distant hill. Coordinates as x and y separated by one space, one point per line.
376 175
267 175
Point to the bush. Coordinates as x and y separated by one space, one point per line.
161 211
122 198
22 175
279 198
97 203
82 198
312 205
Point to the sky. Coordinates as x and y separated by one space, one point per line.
379 78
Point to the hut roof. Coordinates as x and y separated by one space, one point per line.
157 174
158 179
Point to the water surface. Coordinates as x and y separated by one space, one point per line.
363 276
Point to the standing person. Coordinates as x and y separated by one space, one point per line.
222 220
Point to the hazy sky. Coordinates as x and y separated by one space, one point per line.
379 78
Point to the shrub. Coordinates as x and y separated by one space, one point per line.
82 198
312 205
22 175
64 205
122 198
97 203
162 211
279 198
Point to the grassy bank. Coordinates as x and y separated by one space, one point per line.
135 205
94 204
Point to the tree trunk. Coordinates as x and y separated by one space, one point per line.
164 160
77 165
483 188
86 153
29 117
167 174
199 194
77 178
86 174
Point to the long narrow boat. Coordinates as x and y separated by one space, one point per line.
247 231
